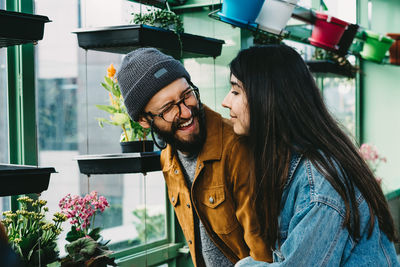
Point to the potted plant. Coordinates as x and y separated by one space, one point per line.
133 136
86 247
162 18
30 236
341 63
275 14
327 31
240 13
375 46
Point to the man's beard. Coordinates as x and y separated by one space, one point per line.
196 142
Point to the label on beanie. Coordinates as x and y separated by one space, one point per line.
160 73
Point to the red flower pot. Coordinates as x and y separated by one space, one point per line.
394 50
327 31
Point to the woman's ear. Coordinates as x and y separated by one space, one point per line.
144 122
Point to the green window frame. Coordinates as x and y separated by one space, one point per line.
23 147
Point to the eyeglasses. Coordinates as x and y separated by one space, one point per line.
189 98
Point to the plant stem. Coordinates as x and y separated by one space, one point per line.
125 133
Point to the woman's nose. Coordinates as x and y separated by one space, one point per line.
226 102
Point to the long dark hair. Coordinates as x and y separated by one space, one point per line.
288 115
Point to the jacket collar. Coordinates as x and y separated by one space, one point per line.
294 163
212 148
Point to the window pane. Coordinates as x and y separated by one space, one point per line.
68 88
339 95
3 107
4 201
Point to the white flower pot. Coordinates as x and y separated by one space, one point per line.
275 14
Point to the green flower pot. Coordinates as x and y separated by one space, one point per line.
375 46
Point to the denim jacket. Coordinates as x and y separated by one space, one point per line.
311 231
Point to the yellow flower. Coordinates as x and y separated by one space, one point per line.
111 71
17 240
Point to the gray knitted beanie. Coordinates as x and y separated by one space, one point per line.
143 73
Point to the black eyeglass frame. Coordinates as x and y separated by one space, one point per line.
192 88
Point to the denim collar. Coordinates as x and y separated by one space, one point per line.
294 163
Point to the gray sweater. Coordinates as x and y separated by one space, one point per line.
212 256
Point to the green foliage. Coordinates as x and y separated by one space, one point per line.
86 251
30 235
263 38
161 18
74 234
118 114
150 229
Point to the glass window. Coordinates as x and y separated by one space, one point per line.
4 201
343 9
3 107
68 88
339 95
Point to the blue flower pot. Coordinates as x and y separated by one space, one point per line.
241 12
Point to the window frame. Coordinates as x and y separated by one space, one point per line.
23 143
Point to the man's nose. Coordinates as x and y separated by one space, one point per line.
186 112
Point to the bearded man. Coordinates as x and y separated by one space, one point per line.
205 165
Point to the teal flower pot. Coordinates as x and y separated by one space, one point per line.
241 12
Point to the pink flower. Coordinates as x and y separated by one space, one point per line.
80 210
370 154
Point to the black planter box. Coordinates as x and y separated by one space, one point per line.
20 28
328 68
156 3
119 163
125 38
19 179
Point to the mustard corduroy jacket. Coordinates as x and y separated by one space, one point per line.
220 193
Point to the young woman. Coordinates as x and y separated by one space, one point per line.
317 201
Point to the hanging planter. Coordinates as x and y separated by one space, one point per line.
375 46
241 13
275 14
137 146
20 28
394 50
327 31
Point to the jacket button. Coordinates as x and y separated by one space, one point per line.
176 171
188 205
199 166
211 200
190 242
172 199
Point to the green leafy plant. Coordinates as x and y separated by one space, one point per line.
86 251
31 237
263 38
131 130
86 247
163 18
